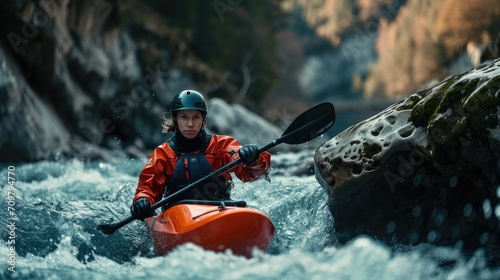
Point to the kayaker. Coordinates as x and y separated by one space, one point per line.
190 155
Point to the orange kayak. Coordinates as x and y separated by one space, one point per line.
217 227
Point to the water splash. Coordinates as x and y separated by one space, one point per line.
61 203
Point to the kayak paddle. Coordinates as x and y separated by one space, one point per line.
307 126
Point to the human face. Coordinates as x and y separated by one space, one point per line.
189 123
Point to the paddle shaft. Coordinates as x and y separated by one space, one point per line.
219 172
111 228
234 163
323 116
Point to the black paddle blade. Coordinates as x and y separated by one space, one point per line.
310 124
106 229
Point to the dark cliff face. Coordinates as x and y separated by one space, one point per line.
103 72
91 79
426 169
80 84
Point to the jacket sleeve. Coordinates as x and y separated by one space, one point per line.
228 148
153 176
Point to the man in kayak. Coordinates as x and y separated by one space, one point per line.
192 154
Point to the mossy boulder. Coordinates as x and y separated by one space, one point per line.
426 169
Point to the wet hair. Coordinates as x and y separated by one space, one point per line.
167 123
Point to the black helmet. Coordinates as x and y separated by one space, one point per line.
189 100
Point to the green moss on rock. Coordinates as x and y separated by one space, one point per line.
409 102
464 106
370 149
427 107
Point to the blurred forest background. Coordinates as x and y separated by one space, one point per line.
85 61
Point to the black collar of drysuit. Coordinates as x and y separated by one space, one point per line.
189 145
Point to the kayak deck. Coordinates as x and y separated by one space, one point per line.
213 227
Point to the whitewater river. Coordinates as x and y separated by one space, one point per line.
49 218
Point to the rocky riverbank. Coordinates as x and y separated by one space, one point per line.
425 169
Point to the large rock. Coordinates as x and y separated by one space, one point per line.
91 79
426 169
75 82
78 80
28 129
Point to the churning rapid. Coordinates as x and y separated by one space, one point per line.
58 204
